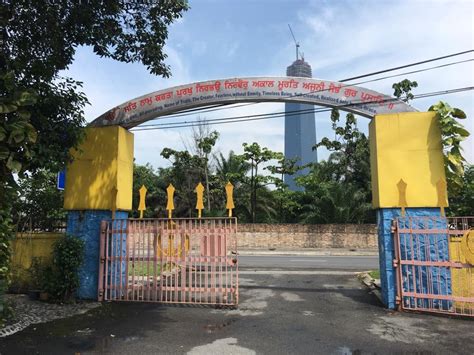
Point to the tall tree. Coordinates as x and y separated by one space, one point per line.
41 111
206 144
257 156
349 152
286 198
185 173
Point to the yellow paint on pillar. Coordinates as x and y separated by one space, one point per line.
406 146
102 163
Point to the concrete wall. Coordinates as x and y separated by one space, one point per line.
288 236
25 248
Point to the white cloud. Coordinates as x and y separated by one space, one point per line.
339 39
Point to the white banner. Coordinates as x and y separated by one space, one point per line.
319 92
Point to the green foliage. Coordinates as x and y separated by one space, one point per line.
156 190
339 190
350 153
42 36
452 134
17 134
402 89
233 168
461 199
41 112
6 233
205 144
185 173
61 279
39 204
255 156
334 202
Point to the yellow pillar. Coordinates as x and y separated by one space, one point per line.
406 146
102 164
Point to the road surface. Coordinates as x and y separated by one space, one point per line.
282 312
359 263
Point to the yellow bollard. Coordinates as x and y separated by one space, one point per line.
170 204
199 198
142 204
229 189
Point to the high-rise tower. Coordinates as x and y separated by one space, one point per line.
300 127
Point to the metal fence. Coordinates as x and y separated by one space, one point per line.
432 272
192 261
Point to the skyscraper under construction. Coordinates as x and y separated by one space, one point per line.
300 127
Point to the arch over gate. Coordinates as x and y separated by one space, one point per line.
356 99
407 169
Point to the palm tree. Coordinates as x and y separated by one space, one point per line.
335 202
233 168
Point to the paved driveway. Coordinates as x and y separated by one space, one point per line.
281 312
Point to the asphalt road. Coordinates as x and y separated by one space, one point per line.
280 312
310 262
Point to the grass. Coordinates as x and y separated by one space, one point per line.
140 268
375 274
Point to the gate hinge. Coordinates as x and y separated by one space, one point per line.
395 263
102 260
398 299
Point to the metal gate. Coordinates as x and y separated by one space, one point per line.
432 271
192 261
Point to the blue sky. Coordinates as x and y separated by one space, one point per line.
219 39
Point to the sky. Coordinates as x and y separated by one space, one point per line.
339 39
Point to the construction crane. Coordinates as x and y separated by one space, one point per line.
297 44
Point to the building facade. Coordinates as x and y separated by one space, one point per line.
300 127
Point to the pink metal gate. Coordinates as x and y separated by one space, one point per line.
432 273
191 261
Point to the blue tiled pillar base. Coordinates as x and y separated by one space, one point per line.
86 226
386 248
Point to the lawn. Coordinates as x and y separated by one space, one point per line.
375 274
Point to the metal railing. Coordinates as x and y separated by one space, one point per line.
192 261
432 271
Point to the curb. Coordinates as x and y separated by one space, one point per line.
372 284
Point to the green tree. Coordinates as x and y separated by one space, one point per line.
185 173
156 190
233 169
287 204
452 134
205 144
461 199
42 112
402 90
39 204
350 153
256 156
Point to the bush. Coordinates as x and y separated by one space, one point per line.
61 279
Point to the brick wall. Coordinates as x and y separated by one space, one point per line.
281 236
